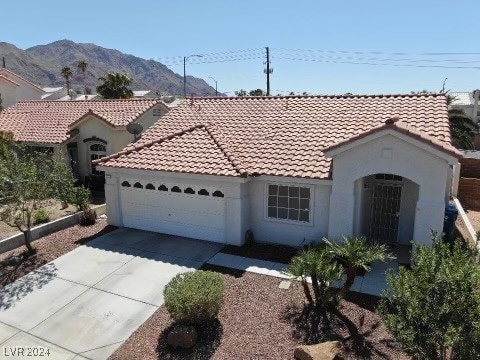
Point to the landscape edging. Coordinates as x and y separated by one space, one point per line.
45 229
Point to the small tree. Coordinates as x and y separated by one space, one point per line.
257 92
356 253
433 310
115 86
241 93
317 264
67 73
32 180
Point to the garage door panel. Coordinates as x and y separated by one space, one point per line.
195 216
156 213
173 201
187 230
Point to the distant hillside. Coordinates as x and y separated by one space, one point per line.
42 64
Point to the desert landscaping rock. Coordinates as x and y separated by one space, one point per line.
182 336
329 350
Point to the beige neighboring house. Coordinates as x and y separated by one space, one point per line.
14 88
82 130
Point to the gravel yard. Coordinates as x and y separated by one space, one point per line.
51 247
261 321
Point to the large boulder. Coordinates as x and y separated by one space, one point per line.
329 350
182 336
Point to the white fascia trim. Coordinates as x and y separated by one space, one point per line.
166 174
293 180
451 160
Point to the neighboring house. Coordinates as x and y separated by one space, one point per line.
85 130
468 102
289 169
14 88
54 93
148 94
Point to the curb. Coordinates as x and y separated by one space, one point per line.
45 229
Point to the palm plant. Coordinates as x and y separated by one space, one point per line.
67 73
82 65
317 264
356 253
114 86
461 126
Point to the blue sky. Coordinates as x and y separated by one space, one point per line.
169 30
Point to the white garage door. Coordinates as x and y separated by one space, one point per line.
177 209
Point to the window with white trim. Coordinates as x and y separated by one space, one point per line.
97 151
289 203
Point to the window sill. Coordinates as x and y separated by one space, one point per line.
289 222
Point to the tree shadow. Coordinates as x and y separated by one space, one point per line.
310 326
209 338
17 289
105 230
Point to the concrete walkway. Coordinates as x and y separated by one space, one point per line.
372 283
86 303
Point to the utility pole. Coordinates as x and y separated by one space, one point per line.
185 58
268 70
216 90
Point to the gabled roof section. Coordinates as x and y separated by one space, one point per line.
9 81
284 136
196 150
11 75
397 126
49 121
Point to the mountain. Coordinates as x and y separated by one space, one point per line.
42 64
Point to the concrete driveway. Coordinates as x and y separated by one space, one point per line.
86 303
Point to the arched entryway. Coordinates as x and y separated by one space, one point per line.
385 207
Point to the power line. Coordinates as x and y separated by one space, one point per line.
382 53
377 64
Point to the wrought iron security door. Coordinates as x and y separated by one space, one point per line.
385 212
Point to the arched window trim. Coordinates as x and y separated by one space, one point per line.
162 188
150 186
189 190
126 184
138 185
176 189
203 192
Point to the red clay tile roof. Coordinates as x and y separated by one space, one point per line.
396 125
194 150
44 121
279 136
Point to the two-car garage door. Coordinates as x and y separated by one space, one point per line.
177 209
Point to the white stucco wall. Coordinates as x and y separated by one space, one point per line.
283 231
13 94
392 154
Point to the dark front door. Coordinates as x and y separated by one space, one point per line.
385 212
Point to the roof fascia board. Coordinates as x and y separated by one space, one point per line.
371 137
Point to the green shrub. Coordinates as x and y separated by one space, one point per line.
41 216
318 264
81 198
194 297
433 310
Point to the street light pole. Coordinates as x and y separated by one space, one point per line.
185 58
216 91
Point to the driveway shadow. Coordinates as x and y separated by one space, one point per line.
20 288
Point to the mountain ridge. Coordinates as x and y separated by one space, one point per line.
41 64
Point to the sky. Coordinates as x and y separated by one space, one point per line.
319 47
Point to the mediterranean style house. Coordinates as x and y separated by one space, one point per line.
288 170
80 130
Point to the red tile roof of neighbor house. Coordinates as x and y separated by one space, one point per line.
280 136
49 122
